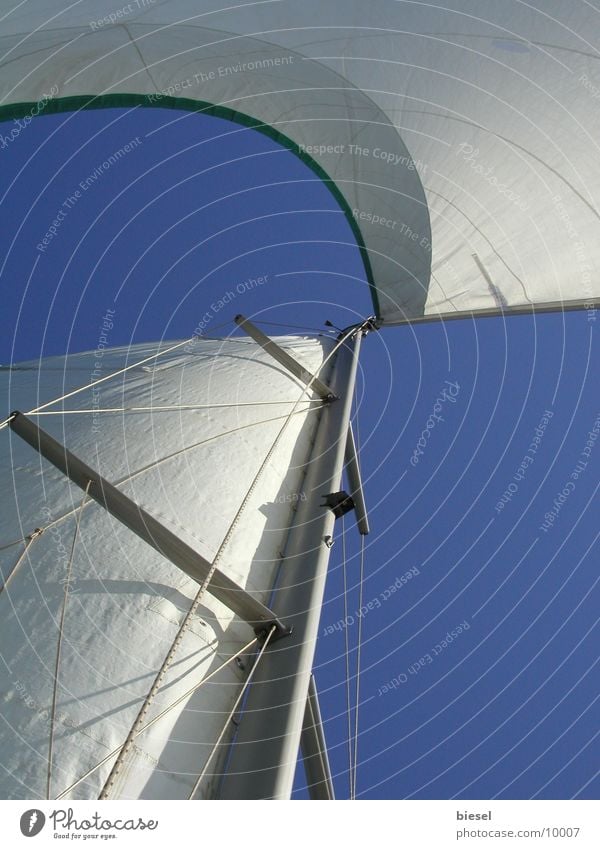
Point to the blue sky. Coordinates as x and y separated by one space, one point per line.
507 706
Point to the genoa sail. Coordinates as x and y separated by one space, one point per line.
187 440
461 141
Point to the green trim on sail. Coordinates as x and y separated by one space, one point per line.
122 100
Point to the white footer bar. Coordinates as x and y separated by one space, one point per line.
292 825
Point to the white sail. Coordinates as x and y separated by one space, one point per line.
189 468
498 105
460 141
492 106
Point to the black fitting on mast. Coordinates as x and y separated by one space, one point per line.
263 630
368 325
339 503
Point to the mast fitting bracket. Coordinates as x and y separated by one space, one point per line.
339 503
263 629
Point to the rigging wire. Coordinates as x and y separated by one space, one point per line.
347 652
13 543
28 540
99 380
352 704
171 407
59 643
296 326
359 638
358 652
5 422
232 713
158 716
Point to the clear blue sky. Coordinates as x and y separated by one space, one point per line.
508 707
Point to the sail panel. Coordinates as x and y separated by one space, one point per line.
190 469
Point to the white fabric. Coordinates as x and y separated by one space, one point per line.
190 470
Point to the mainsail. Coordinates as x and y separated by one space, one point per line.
211 440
